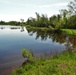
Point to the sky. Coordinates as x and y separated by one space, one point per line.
23 9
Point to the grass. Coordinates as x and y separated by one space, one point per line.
43 29
62 64
66 31
69 31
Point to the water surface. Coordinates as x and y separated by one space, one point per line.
14 38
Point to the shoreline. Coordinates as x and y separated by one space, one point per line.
63 63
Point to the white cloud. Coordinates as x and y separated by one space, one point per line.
18 10
34 5
16 3
15 17
5 2
44 6
54 5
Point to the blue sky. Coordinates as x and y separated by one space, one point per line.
17 9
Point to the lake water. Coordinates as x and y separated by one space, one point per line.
14 38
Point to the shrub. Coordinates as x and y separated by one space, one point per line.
27 54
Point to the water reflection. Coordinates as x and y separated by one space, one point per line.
2 28
44 55
13 28
68 40
9 27
22 29
43 44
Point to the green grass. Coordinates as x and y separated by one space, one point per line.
62 64
40 28
66 31
69 31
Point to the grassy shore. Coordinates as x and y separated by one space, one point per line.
44 29
62 64
66 31
69 31
39 28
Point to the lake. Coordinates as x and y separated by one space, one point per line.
43 44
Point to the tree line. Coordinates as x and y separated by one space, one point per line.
9 23
65 20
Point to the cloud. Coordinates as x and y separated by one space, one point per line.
44 6
33 5
54 5
15 17
5 2
12 3
13 10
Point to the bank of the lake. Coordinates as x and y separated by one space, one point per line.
69 31
43 29
43 41
62 64
50 29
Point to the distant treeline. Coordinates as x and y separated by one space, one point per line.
9 23
65 20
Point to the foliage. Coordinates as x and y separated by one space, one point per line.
13 23
66 36
27 54
72 22
40 21
69 31
3 23
65 20
62 64
9 23
72 7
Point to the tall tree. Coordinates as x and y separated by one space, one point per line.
72 7
63 13
38 16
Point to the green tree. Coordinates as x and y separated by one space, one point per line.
27 54
22 22
2 23
72 7
64 13
72 22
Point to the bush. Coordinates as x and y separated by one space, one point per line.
27 54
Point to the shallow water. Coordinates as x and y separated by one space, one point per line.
14 38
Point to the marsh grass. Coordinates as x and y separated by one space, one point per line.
69 31
66 31
62 64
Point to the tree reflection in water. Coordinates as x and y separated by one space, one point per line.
68 40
